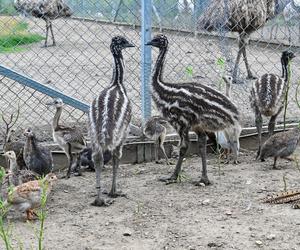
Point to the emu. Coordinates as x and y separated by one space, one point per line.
156 129
37 158
47 10
189 106
267 96
281 145
109 118
241 16
70 139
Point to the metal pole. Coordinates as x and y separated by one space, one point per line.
146 59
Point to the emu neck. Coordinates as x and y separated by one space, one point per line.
31 144
159 66
228 89
13 166
118 70
56 117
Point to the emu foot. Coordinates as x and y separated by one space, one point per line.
168 179
203 180
30 215
116 194
67 176
99 202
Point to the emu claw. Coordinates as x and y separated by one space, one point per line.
202 181
99 202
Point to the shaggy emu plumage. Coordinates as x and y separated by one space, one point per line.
47 10
241 16
70 139
281 145
267 96
109 117
37 157
189 106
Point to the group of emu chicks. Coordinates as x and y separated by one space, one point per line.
187 106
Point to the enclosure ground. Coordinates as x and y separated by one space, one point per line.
226 215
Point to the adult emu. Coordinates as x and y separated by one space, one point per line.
109 117
187 106
241 16
47 10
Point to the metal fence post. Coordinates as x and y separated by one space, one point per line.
146 58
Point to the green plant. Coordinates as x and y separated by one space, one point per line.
5 231
189 71
42 213
284 182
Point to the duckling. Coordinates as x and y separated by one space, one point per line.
36 157
156 129
17 176
27 196
281 145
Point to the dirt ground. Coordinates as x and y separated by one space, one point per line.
226 215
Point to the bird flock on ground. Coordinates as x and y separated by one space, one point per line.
184 106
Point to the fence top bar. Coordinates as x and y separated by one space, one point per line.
26 81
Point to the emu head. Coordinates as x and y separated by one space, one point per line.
11 155
29 133
287 56
159 41
58 103
118 43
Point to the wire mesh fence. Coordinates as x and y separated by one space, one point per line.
80 65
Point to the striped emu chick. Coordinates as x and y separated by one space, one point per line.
47 10
187 106
267 96
109 117
37 157
156 129
228 138
281 145
70 139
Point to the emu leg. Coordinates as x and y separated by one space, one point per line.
78 166
184 145
156 152
271 125
52 34
249 73
258 123
202 149
236 65
161 141
47 31
116 159
98 161
274 164
70 158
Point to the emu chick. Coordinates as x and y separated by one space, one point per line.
281 145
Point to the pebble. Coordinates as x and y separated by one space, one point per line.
228 213
271 237
127 233
259 243
206 202
66 191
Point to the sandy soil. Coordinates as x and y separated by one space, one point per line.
226 215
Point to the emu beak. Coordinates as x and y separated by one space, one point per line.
50 103
149 43
129 45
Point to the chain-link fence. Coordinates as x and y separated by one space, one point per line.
80 65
